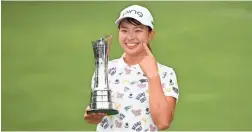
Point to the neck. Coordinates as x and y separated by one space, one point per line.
134 59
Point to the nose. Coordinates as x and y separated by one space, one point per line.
131 36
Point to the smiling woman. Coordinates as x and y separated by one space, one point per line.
145 91
134 22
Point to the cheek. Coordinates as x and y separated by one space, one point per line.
143 37
121 38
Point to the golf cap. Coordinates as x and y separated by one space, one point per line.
139 13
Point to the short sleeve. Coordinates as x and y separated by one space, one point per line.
169 83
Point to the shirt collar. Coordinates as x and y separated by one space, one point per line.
123 64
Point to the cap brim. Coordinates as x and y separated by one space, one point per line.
119 20
146 24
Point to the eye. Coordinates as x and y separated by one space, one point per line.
138 30
123 30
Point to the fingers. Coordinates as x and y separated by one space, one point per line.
94 118
100 114
147 49
88 116
88 107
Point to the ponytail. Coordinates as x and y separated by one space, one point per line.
148 45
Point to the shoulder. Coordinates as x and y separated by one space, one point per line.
113 62
166 72
164 68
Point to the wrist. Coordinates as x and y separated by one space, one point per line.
153 76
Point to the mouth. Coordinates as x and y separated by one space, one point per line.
131 45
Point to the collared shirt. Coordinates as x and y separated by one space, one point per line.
130 91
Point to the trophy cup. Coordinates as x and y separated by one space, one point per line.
101 95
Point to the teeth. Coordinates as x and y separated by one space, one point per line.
131 44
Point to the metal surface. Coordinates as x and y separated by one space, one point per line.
101 100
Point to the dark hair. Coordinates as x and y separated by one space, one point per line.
134 22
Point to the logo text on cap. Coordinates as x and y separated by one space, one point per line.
140 14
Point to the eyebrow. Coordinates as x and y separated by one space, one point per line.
123 27
138 26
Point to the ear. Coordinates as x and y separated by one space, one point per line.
151 35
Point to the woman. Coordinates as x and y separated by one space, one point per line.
145 92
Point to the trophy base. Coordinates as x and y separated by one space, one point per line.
101 102
106 111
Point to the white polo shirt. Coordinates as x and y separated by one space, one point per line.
130 91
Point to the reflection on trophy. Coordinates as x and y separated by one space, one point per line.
101 100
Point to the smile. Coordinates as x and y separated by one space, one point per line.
131 45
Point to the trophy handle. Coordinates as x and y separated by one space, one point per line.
109 37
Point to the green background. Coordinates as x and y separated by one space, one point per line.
47 61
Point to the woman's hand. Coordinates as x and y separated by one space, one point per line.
148 64
93 118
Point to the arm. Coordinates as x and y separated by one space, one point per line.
162 102
161 107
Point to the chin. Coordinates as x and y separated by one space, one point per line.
132 53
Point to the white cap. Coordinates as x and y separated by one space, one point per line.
139 13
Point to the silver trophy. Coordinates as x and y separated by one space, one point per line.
101 95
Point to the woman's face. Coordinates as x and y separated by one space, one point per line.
131 37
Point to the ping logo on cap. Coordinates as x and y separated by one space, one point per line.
139 13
